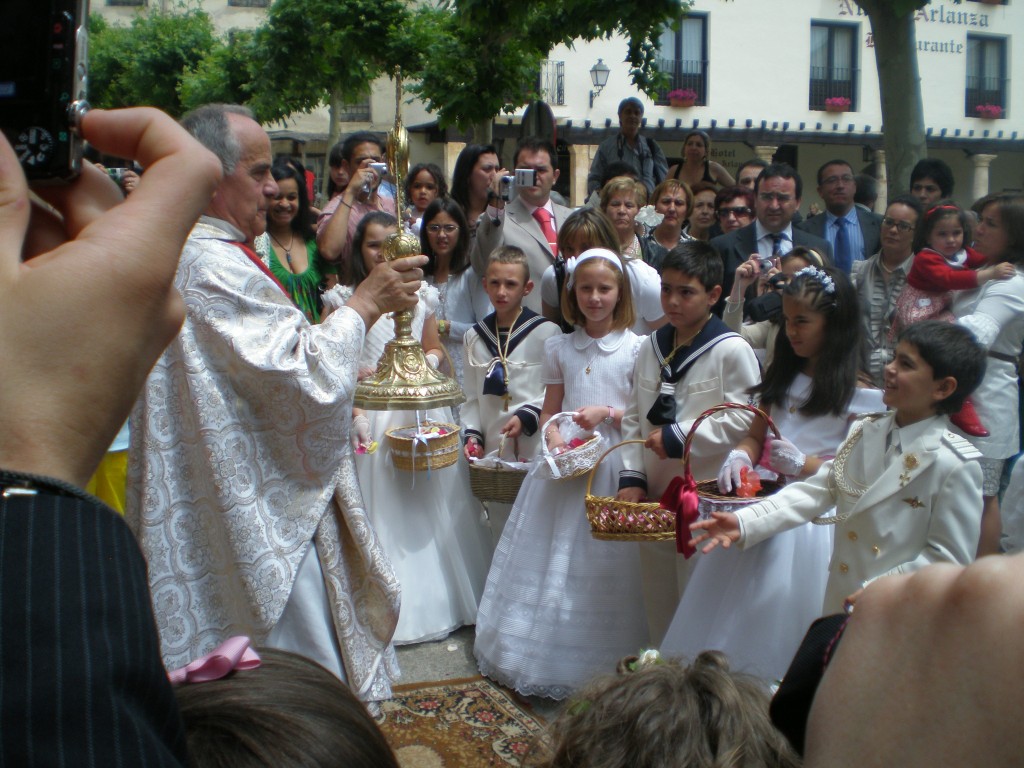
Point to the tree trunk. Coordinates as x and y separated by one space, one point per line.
899 84
483 132
337 102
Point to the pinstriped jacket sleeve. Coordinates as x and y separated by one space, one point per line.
81 681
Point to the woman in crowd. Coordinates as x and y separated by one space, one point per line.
702 217
881 278
289 246
674 201
444 238
734 208
697 164
995 314
475 169
621 200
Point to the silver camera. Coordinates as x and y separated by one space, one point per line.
524 177
380 168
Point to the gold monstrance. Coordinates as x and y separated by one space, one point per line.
404 380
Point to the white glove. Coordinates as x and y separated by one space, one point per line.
785 457
360 434
729 474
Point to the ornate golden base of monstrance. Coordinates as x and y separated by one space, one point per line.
404 380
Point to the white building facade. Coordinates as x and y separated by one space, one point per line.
762 71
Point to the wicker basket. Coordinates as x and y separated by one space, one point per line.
498 484
711 499
574 462
612 519
414 450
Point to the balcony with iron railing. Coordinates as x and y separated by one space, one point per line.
551 82
984 90
684 74
832 82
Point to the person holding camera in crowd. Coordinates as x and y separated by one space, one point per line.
530 221
363 160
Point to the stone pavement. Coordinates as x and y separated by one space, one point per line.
451 659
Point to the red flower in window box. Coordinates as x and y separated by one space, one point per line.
682 97
989 111
837 104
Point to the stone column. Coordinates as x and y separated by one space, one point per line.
981 166
878 158
580 158
451 154
765 152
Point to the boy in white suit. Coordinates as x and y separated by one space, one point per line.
691 364
503 355
907 491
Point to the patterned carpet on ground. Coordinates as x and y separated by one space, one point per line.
457 724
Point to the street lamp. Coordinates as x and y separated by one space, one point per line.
599 77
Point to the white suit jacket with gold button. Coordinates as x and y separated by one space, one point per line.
897 514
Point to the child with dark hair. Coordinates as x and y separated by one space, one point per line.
943 263
428 526
424 184
906 490
666 714
286 711
685 367
754 605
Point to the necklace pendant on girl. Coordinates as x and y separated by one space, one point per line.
587 370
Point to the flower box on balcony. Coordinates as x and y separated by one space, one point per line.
837 104
989 111
682 97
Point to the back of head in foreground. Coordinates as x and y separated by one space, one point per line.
289 711
666 715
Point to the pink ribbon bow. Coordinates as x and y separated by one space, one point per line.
233 653
681 497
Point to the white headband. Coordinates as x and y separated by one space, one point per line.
572 264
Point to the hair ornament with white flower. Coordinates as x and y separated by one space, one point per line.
573 263
821 276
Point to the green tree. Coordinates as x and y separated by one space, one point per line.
311 52
144 63
485 54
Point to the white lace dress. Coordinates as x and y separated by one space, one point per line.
560 606
428 522
756 604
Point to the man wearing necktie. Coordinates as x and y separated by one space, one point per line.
530 221
855 234
777 195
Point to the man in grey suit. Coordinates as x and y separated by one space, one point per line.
777 195
519 222
853 233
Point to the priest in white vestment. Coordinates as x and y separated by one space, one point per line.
242 488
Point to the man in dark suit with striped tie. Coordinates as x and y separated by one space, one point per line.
777 195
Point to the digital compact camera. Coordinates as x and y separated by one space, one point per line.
43 83
524 177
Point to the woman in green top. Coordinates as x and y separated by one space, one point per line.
289 247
